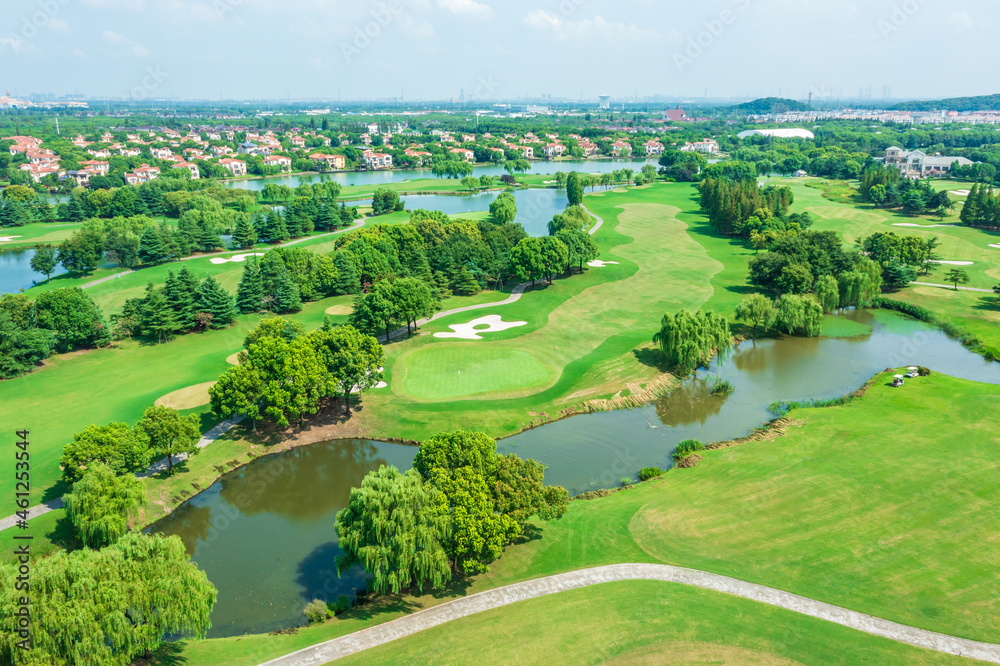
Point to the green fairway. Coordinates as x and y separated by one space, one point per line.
443 372
643 622
886 506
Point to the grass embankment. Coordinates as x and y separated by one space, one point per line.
885 505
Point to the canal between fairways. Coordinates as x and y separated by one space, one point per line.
265 535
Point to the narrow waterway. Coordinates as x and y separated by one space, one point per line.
265 533
16 273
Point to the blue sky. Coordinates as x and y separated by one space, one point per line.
433 49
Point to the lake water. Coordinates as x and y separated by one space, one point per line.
535 207
265 533
16 273
348 178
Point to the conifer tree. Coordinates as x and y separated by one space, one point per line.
465 283
279 285
250 292
216 301
244 236
157 315
181 292
347 281
208 236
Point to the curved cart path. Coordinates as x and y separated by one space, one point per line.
502 596
952 287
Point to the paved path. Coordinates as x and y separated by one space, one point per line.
952 287
593 229
357 225
476 603
210 436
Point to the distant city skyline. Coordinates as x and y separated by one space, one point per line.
423 50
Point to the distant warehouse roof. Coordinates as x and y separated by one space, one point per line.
780 133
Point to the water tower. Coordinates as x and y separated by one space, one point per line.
605 101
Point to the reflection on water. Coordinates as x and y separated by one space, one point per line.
265 533
15 268
596 450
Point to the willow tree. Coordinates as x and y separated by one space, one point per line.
108 606
828 293
799 315
392 529
689 341
757 310
101 504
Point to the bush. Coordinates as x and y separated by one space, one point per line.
647 473
342 604
722 387
686 448
923 372
316 611
625 481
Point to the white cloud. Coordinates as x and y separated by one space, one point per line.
962 20
118 41
17 45
595 28
467 9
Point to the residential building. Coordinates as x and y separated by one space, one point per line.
234 166
280 161
554 150
621 148
247 148
142 174
375 160
96 166
653 147
466 154
918 164
330 161
706 147
193 168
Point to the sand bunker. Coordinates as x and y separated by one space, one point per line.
922 226
187 398
961 193
995 245
235 257
950 263
487 324
5 239
597 263
340 310
233 359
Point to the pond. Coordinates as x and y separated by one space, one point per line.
535 207
349 178
16 273
264 534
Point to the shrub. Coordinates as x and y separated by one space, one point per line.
686 448
647 473
722 387
625 481
342 604
316 611
923 372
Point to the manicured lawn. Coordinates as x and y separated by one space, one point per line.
643 622
440 372
886 506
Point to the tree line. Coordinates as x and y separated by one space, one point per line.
981 209
740 207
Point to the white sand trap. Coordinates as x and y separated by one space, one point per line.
995 245
340 309
188 397
235 257
6 239
961 193
233 359
950 263
377 386
922 226
487 324
597 263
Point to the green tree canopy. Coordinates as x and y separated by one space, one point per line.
107 606
170 434
123 449
689 341
101 504
392 528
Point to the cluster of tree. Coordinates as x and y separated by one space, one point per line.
741 207
981 209
181 305
19 206
682 166
795 264
503 209
285 374
386 201
689 341
161 433
573 218
452 514
108 606
796 314
884 187
58 321
899 256
396 300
